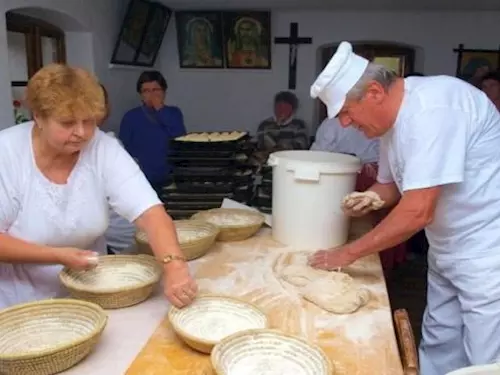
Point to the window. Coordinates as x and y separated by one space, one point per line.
42 43
395 57
32 43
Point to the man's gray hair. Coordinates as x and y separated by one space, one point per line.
373 72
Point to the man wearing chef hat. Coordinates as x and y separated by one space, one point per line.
440 168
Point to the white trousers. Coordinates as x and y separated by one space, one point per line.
461 325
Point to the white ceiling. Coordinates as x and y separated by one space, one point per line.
382 5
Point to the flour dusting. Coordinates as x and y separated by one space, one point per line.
272 365
214 326
257 275
222 219
114 277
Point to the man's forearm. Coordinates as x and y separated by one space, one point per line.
401 224
389 193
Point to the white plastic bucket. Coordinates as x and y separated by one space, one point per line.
308 187
493 369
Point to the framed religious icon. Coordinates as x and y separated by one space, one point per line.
247 40
476 62
141 34
199 39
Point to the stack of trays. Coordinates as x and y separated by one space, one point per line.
206 168
263 199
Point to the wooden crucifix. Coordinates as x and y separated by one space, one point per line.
294 41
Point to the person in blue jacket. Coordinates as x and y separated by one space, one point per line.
146 131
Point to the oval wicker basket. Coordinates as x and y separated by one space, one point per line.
210 318
195 238
117 281
270 351
246 222
47 337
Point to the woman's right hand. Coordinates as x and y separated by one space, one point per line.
77 259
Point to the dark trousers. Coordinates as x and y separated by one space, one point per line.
418 243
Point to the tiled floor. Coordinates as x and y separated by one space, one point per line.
407 289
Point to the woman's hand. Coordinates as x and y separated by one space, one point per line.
179 287
77 259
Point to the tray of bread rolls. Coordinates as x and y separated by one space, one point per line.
223 140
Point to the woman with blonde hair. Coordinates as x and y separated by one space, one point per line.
58 176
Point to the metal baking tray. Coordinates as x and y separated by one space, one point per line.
181 162
201 205
181 214
197 154
204 185
263 201
217 145
265 210
266 189
196 197
211 172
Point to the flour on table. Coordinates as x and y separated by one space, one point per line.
335 292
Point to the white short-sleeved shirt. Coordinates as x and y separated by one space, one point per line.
447 133
332 137
71 215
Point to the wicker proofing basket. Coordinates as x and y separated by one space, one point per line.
31 335
233 232
207 317
270 351
138 281
206 235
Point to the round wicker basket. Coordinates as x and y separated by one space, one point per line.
195 238
235 224
47 337
211 318
268 351
117 281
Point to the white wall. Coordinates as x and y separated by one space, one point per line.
91 28
241 99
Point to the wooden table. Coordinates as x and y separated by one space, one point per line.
357 344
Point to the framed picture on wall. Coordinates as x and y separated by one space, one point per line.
141 34
247 39
471 62
199 39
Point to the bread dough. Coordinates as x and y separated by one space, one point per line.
336 295
301 276
370 199
211 137
335 292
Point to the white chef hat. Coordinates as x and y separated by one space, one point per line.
340 75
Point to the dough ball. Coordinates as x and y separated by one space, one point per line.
301 276
336 295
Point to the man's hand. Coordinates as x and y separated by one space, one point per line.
359 204
332 259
